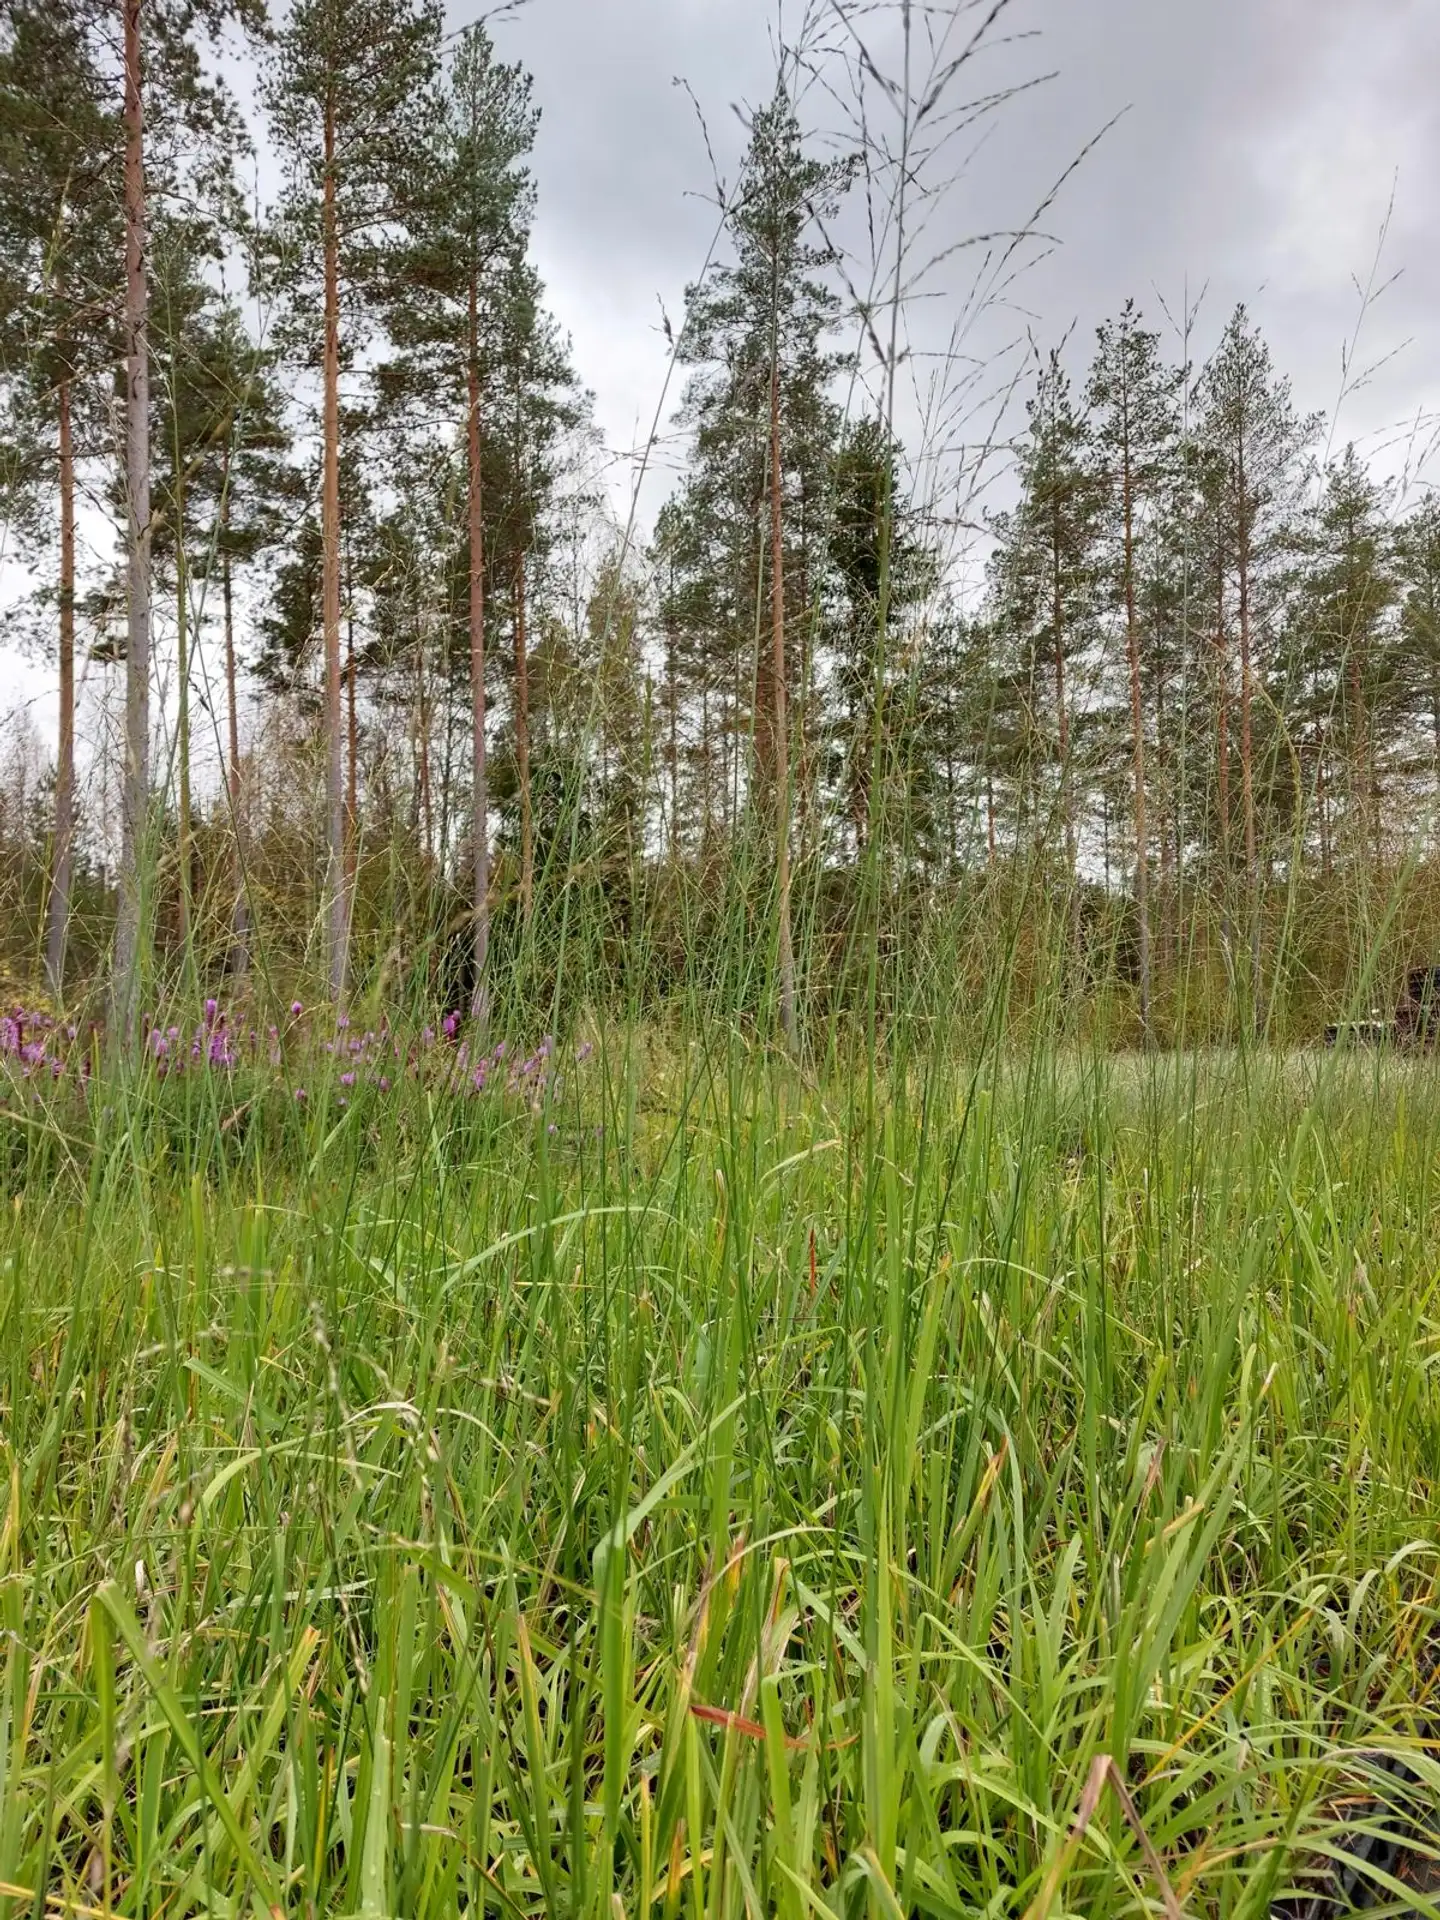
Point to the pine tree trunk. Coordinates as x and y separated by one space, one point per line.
424 824
1247 767
130 941
781 742
1137 723
1168 835
182 683
1222 735
59 909
352 769
522 747
762 663
335 913
480 798
1361 779
862 739
672 691
707 759
1062 708
240 910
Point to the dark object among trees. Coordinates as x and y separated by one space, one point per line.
1417 1018
1416 1022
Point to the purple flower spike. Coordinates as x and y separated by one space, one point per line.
296 1009
301 1095
212 1008
450 1025
347 1079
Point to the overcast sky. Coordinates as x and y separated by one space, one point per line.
1258 150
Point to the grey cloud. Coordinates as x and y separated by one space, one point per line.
1255 158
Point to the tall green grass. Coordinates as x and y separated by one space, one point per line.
725 1491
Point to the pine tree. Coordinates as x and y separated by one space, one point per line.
60 142
1044 588
879 570
1171 610
182 311
689 599
1343 653
470 230
166 94
1417 554
614 670
223 487
538 403
351 95
764 429
1255 441
1133 401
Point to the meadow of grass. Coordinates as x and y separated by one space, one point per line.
671 1483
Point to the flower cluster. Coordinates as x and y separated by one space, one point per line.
34 1047
303 1049
211 1044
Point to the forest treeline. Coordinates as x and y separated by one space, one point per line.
1178 724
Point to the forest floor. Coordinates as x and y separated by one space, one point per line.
659 1485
